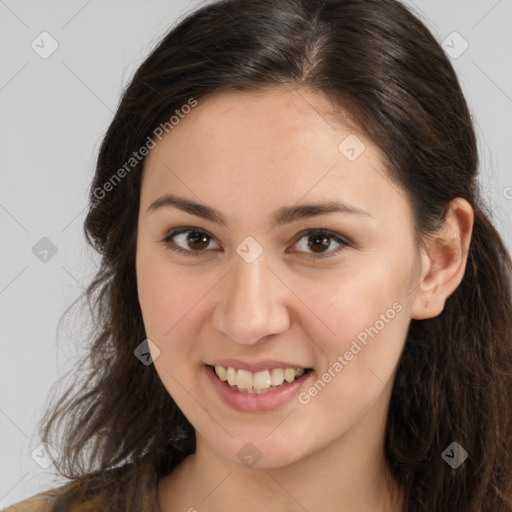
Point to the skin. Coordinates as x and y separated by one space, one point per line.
247 155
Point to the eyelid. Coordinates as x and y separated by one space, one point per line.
343 241
179 231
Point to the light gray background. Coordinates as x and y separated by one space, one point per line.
53 114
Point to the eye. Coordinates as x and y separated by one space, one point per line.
196 239
318 240
193 241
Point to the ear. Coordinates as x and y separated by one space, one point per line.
443 261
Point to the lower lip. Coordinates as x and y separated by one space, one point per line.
253 402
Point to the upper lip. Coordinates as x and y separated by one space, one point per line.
255 366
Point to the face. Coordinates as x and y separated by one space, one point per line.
284 253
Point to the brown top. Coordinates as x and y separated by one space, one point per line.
38 503
126 489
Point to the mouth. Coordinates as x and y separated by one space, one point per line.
260 382
267 389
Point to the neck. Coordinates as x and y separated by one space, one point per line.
350 474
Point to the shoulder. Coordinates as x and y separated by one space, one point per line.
38 503
108 490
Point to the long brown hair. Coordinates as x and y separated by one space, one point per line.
383 67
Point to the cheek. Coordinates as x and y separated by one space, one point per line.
155 298
369 313
358 362
352 303
163 293
167 304
172 305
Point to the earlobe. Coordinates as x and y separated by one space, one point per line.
444 261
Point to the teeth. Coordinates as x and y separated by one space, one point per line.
230 375
289 375
258 382
221 373
277 377
244 379
261 380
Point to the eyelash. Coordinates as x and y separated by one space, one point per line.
334 236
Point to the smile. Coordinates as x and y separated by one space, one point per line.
258 382
258 391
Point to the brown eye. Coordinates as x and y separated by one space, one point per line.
193 242
198 240
188 240
318 243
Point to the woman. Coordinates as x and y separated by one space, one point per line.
302 303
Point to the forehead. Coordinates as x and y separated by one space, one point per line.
286 123
272 119
275 146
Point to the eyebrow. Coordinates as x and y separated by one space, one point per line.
284 215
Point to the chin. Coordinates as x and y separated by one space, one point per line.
261 454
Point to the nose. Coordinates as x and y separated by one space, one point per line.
252 304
